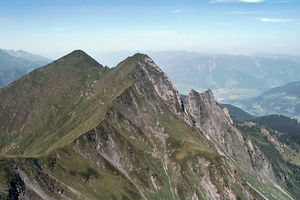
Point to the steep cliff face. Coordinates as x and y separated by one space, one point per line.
141 142
210 120
213 124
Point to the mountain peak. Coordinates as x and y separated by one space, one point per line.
139 56
131 63
78 52
147 74
136 58
78 57
208 94
193 92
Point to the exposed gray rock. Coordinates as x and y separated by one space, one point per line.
210 120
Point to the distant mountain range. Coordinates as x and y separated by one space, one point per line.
27 56
14 64
283 100
231 77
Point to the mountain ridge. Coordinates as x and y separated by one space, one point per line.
123 133
27 56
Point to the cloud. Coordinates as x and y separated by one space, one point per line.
177 11
274 20
238 1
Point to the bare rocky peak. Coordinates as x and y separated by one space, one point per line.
201 106
206 98
148 75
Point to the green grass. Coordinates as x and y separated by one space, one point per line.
92 181
57 111
184 141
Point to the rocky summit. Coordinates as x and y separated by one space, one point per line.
74 129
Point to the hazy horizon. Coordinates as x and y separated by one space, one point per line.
55 28
122 54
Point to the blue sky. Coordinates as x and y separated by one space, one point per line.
54 28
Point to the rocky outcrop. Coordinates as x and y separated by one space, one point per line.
210 120
226 112
148 75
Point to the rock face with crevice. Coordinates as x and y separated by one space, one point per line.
128 135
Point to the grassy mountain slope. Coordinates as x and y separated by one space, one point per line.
122 133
